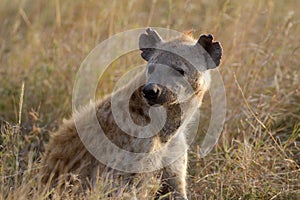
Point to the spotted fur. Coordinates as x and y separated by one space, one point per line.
66 154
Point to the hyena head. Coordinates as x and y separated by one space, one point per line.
178 68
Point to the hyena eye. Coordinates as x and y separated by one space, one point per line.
181 71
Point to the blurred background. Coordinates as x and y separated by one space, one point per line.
42 44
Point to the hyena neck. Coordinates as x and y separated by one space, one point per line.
173 122
139 110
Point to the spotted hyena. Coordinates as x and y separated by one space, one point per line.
175 79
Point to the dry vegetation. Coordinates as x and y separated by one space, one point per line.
42 44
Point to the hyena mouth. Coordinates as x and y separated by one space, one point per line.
157 95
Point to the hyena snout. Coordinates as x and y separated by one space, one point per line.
151 92
156 94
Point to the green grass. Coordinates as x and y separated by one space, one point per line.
42 44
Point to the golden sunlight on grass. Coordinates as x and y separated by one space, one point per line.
42 44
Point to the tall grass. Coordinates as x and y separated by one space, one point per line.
42 44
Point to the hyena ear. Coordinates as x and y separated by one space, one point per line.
214 49
147 43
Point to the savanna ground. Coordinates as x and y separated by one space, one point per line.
42 44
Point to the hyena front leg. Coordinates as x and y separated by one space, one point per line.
174 180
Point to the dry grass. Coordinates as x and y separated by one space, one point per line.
42 44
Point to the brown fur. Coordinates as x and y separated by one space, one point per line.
66 154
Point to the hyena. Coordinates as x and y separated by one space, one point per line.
173 66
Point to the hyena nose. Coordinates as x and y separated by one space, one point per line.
151 91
